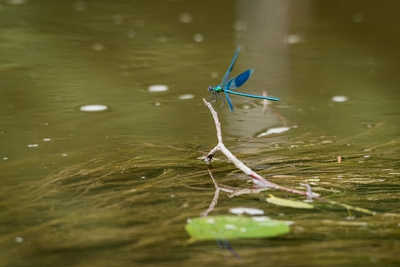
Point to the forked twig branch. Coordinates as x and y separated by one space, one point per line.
260 182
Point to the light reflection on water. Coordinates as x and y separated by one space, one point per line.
333 65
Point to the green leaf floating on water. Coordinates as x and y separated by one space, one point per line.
288 203
233 227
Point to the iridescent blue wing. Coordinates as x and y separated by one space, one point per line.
225 79
240 79
228 99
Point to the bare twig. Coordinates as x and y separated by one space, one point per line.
261 183
258 180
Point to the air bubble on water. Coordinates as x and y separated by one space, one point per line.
240 25
16 2
185 17
131 33
198 37
98 46
79 6
214 74
162 38
358 17
140 23
118 19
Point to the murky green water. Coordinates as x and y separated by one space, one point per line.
115 188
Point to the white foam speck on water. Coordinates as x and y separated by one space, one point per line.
33 145
276 130
340 98
185 97
158 88
246 107
250 211
93 108
292 39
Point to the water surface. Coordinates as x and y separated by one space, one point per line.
115 187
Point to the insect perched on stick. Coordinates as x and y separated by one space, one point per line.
227 86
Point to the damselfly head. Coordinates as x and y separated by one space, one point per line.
210 89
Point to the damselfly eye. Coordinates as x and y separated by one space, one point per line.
210 89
